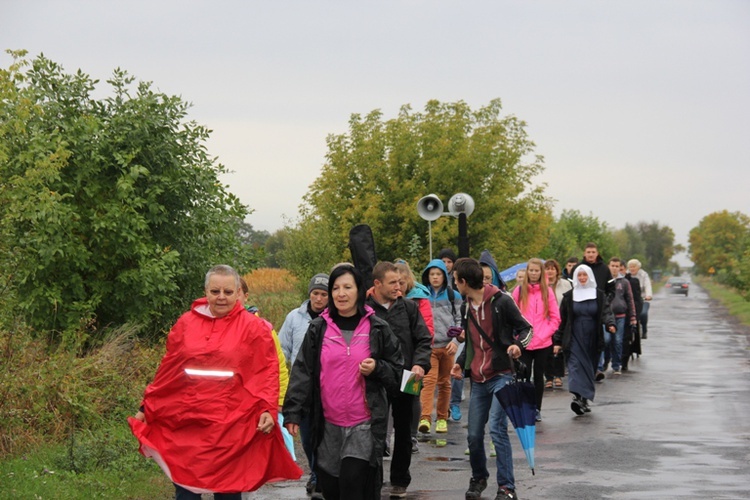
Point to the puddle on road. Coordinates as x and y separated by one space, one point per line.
444 459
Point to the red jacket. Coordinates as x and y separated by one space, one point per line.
202 429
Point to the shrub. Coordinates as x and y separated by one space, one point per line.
274 292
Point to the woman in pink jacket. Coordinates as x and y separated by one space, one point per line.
538 305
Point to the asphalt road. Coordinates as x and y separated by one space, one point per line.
677 425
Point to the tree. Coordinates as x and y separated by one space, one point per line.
568 235
720 241
112 208
309 250
650 243
377 171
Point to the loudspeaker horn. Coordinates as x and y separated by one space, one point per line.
430 207
461 203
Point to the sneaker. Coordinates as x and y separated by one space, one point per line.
467 452
441 443
493 453
504 493
577 406
476 487
441 426
586 407
600 376
617 372
424 426
455 413
538 416
398 492
414 445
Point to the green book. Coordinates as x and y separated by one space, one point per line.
410 384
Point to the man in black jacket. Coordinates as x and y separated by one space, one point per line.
600 268
405 320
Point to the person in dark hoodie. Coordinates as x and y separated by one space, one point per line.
486 261
597 265
448 256
445 314
495 331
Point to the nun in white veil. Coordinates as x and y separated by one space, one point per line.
583 312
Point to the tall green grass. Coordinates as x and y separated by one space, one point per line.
732 299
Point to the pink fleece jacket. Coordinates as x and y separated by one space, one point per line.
342 387
544 327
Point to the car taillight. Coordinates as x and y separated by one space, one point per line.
685 285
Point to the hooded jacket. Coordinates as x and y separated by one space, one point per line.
202 428
544 326
421 295
501 320
486 259
445 312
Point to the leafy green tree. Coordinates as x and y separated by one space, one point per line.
111 208
568 235
377 171
651 243
721 241
309 249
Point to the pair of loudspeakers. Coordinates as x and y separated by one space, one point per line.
431 208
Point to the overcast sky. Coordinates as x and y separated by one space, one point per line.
641 109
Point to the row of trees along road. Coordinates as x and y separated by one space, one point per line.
720 245
377 171
111 209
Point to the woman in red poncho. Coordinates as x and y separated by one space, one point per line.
208 418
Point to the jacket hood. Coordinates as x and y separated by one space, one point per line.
200 307
486 258
426 274
418 292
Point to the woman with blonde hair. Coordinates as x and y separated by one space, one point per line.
538 305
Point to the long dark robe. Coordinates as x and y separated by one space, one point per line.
584 352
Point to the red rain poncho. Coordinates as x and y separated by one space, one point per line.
201 426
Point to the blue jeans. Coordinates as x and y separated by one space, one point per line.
483 405
457 386
613 346
644 316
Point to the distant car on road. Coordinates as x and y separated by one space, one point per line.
678 285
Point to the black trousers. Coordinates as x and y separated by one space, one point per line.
183 494
402 408
537 358
356 481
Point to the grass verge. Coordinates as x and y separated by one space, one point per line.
730 298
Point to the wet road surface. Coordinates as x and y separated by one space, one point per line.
677 425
